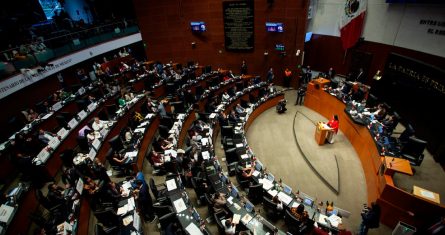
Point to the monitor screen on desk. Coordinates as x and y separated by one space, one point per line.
234 192
223 178
287 189
196 216
270 177
249 206
258 165
308 201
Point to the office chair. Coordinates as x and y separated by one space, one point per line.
406 134
209 202
165 220
291 222
40 108
111 110
255 194
413 150
157 190
101 230
270 208
67 157
107 216
81 104
82 142
227 131
163 131
119 169
166 121
102 114
61 121
218 216
116 143
231 155
161 210
199 192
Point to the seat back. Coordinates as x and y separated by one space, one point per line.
161 210
165 220
256 193
116 143
153 188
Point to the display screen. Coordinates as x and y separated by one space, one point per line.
274 27
308 37
279 47
198 26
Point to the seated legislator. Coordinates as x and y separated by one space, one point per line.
333 124
246 172
229 227
45 136
300 213
99 124
157 158
219 202
239 109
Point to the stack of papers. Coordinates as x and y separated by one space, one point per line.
286 199
127 220
236 218
205 155
334 220
246 219
244 156
193 229
131 154
171 184
122 210
179 205
139 130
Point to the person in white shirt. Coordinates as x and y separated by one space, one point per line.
98 124
225 97
229 228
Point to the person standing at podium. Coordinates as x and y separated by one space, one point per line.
333 124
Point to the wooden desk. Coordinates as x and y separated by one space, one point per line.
400 165
321 81
394 202
428 195
320 133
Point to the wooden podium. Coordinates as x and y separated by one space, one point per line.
320 133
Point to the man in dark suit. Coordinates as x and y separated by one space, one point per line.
144 202
360 76
331 73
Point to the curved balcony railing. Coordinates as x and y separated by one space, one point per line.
66 42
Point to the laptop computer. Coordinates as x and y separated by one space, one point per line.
234 192
270 177
308 201
258 166
286 189
249 207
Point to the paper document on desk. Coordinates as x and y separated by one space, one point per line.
230 200
131 203
47 116
212 115
334 220
244 156
427 194
149 116
286 199
272 192
139 130
205 155
256 173
240 145
122 210
295 204
179 205
6 213
267 184
322 219
236 218
171 184
237 207
62 133
193 229
246 219
126 185
131 154
43 155
143 124
54 142
127 220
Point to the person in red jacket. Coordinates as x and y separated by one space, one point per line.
333 124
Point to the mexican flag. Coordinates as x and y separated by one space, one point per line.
351 24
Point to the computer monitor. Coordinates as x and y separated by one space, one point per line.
196 216
287 189
234 192
249 206
308 201
258 165
223 178
270 177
